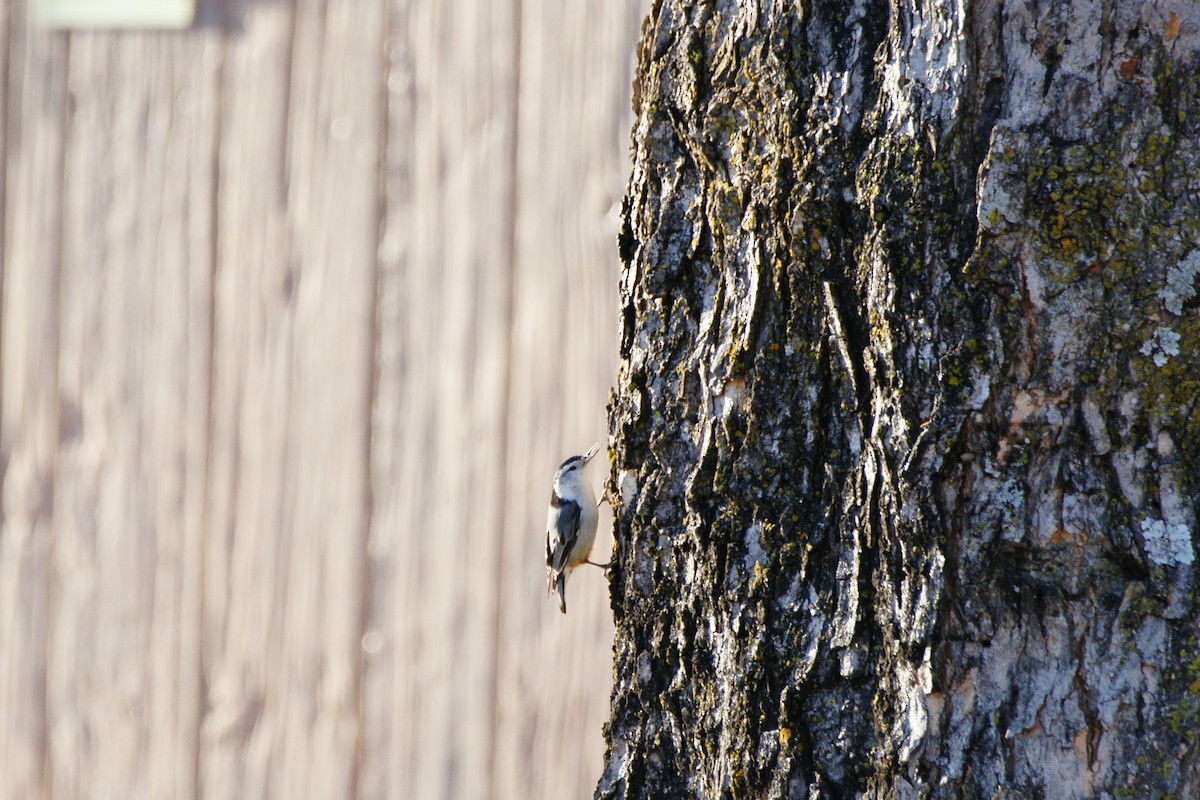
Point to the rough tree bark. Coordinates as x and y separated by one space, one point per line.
906 430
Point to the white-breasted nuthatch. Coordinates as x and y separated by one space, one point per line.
570 524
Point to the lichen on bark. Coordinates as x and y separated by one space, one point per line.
905 429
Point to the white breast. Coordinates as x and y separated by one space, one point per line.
587 534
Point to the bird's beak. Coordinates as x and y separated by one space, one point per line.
588 456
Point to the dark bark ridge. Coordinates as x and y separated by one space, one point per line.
906 430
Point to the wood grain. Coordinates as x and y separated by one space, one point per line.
292 381
133 386
440 405
29 417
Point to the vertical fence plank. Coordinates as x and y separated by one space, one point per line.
29 420
292 373
334 161
555 672
133 409
441 398
247 540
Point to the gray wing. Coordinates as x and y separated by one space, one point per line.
560 536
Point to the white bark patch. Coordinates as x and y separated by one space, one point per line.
995 202
1072 88
1175 536
789 600
1009 500
617 767
645 673
922 611
816 624
1128 406
1174 504
837 95
1097 429
727 670
643 568
839 334
1035 285
1047 714
851 661
957 713
1129 467
1167 544
1082 516
627 480
935 706
1151 642
912 695
754 551
847 599
854 442
728 400
980 392
934 52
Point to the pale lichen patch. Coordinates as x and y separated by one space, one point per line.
1167 544
1161 345
1181 283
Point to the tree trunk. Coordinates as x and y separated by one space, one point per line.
906 429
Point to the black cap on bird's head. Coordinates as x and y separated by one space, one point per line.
577 462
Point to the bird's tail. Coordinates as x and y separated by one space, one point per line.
561 585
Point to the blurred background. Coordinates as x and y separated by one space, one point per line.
300 308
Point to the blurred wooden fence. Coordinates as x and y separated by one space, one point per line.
300 310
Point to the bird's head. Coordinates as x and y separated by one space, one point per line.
571 470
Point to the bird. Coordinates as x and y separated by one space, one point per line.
570 524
